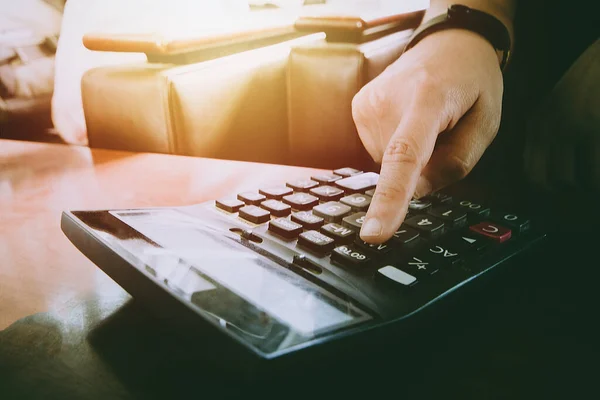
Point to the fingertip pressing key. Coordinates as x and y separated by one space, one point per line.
371 229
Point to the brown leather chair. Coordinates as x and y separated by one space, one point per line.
280 94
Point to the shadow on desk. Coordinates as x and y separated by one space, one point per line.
527 336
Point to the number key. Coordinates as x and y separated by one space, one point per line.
475 211
332 211
358 202
515 222
426 225
452 216
419 205
354 221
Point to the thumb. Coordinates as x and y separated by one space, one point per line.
458 151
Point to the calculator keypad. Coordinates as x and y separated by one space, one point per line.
327 193
332 211
323 214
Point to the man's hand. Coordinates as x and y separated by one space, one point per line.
427 118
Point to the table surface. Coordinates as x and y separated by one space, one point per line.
69 331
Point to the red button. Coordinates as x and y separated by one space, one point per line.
493 231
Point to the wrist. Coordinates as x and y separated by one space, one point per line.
503 10
458 40
462 17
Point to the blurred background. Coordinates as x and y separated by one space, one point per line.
42 57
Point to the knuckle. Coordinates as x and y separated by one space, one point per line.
403 151
370 103
427 84
457 168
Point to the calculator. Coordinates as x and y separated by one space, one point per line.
281 271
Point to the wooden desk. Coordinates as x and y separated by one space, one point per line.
72 333
41 270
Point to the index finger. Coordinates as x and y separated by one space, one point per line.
405 156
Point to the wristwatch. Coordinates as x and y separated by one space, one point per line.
462 17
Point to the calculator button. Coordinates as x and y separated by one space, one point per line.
286 228
254 214
358 183
475 211
251 198
419 266
301 201
375 249
405 236
419 205
354 221
370 192
302 185
276 193
276 208
327 193
397 275
469 242
346 172
316 242
444 254
426 225
339 233
326 179
452 216
438 199
229 205
358 201
350 255
332 211
493 231
308 220
517 223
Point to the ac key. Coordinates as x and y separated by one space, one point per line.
444 254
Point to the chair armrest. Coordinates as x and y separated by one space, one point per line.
259 29
363 24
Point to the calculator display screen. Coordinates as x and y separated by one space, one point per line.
219 261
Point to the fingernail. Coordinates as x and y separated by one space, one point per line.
371 227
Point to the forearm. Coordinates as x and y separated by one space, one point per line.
504 10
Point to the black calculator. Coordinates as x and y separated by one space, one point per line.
281 271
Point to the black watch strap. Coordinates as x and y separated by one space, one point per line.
463 17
